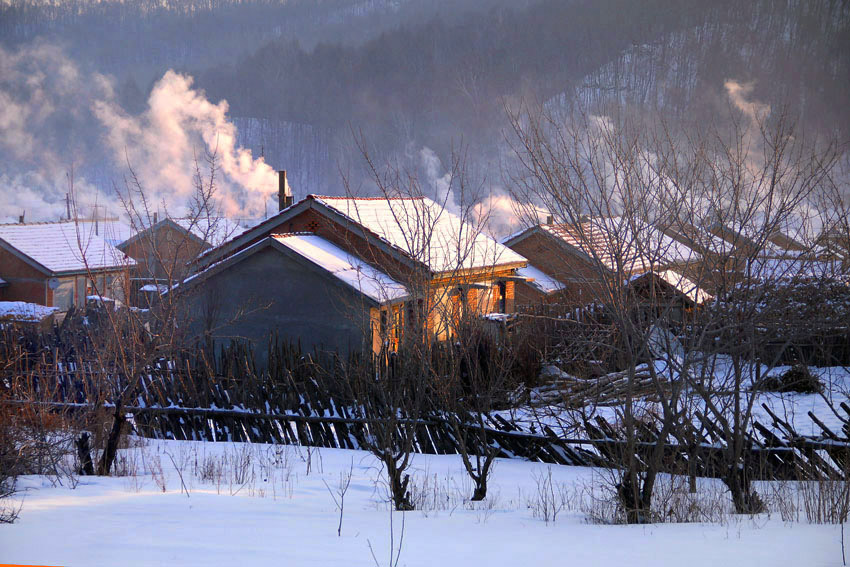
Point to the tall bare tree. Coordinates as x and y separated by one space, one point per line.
430 357
639 198
127 343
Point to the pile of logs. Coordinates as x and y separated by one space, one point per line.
610 389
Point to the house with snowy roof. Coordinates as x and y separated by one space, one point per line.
356 273
163 251
732 253
59 264
574 263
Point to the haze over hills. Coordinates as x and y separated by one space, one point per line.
415 78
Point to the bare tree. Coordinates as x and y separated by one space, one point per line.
428 359
759 184
604 188
126 343
718 201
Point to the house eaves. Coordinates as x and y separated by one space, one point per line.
267 228
148 233
267 242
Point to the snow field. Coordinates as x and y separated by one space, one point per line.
192 503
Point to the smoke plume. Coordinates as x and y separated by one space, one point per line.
62 129
739 94
179 125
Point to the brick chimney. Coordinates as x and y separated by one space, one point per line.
284 193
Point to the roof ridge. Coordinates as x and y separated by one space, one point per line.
298 233
347 198
38 223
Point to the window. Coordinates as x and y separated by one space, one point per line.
503 297
411 314
383 328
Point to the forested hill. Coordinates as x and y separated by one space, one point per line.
142 38
429 83
299 75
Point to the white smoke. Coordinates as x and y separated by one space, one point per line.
500 210
44 100
179 125
739 94
496 211
57 120
441 185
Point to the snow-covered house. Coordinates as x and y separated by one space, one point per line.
59 264
667 294
163 250
575 261
21 312
357 272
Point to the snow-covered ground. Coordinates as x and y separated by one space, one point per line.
263 505
792 407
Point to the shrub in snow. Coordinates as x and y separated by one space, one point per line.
796 379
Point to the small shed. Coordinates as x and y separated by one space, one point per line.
59 264
163 251
21 312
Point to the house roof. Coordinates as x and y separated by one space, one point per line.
212 230
698 238
398 226
540 280
347 268
61 247
424 231
23 311
679 283
617 243
795 268
789 237
3 282
113 231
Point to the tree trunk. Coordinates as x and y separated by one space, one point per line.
84 454
398 489
480 489
745 500
692 469
112 440
632 499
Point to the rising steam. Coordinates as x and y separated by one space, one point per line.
163 143
58 124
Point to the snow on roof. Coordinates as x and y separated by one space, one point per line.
158 288
789 235
349 269
698 238
3 282
791 268
539 279
681 284
513 235
112 230
63 246
633 244
23 311
213 230
424 231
